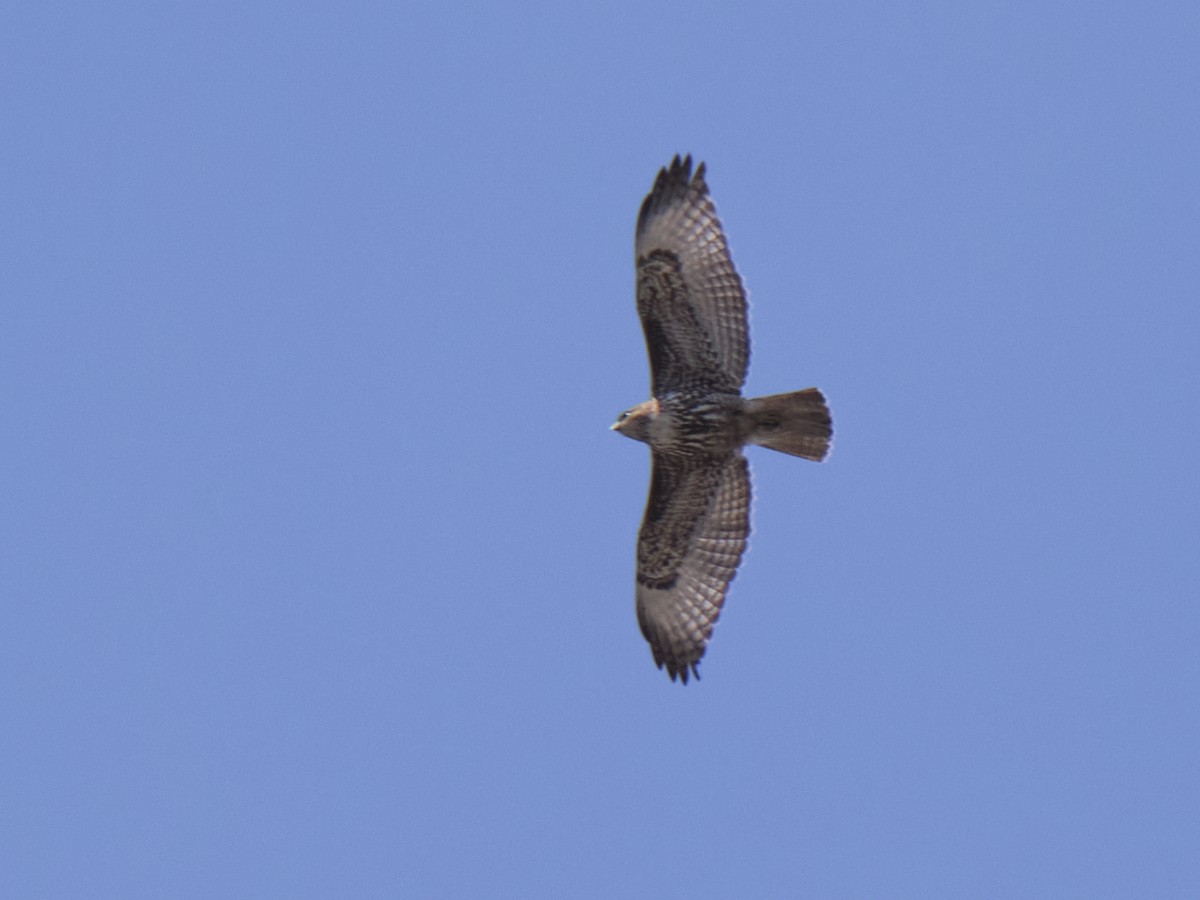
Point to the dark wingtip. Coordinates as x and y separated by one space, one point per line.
679 667
680 165
674 181
680 673
679 172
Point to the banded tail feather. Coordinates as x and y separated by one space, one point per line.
797 423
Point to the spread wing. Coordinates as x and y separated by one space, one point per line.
693 534
690 298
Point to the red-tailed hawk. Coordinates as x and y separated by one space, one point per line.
693 310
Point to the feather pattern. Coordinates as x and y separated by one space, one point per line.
692 539
690 298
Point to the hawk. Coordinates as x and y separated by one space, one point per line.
693 311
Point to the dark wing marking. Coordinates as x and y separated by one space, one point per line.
692 538
690 298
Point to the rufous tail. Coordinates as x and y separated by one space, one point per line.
797 423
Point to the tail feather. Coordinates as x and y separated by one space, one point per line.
797 423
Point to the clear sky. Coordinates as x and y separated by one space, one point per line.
316 552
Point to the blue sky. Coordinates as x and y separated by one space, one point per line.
317 560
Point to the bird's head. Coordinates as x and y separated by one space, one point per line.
635 423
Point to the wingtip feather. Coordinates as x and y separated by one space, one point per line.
680 673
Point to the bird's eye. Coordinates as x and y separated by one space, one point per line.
622 417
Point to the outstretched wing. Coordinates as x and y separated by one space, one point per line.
693 534
690 298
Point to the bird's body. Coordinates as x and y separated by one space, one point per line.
689 422
693 311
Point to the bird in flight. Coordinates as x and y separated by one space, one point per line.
693 311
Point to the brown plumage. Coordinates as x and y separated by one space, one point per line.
693 311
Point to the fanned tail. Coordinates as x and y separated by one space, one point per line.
797 423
